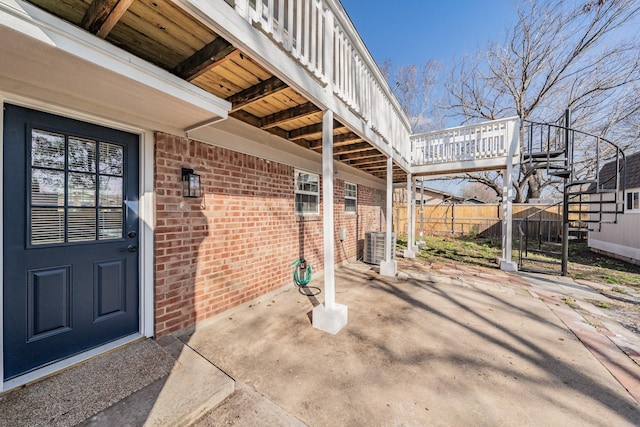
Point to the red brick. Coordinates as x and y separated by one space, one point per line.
236 243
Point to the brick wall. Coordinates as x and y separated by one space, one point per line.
236 242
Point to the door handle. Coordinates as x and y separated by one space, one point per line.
130 248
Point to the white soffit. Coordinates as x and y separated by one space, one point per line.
52 61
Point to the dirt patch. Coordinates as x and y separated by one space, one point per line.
626 312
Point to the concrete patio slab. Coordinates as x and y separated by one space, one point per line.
436 345
79 392
151 383
190 390
246 407
425 348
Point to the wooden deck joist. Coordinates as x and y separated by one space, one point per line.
366 163
256 93
103 15
372 152
310 130
255 121
351 148
210 56
381 167
285 116
341 140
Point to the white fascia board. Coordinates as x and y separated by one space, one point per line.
35 23
359 127
455 168
225 21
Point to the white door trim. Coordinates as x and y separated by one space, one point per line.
146 212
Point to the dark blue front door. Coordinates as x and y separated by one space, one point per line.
70 237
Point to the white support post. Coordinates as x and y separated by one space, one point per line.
410 251
389 266
421 242
414 246
329 317
506 263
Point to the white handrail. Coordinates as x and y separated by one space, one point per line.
479 141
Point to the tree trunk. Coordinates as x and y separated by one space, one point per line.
533 187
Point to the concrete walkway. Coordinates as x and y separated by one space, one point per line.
445 346
438 345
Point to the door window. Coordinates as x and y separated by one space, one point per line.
76 192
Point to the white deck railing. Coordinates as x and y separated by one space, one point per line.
321 37
486 140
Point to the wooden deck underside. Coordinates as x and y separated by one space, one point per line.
162 33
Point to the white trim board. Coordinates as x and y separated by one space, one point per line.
614 248
146 240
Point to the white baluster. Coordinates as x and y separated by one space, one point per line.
328 61
298 49
307 26
343 66
313 36
322 28
350 76
269 18
242 8
280 32
255 15
289 28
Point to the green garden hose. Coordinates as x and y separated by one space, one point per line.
300 265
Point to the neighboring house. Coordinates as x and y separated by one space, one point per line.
622 240
429 196
166 161
474 201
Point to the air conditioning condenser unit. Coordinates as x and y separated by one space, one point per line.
374 246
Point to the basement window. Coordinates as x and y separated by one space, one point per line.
350 198
633 200
307 193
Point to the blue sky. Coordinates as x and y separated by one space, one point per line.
414 31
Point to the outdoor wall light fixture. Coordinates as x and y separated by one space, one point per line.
190 184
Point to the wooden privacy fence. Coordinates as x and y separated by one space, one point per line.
482 219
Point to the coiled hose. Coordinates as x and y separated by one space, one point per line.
300 266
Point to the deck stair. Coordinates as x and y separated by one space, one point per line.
592 196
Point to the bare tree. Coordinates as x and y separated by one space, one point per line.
480 192
413 87
557 55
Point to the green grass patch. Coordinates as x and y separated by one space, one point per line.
571 303
442 249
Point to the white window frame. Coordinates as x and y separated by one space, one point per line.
354 198
635 198
297 191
